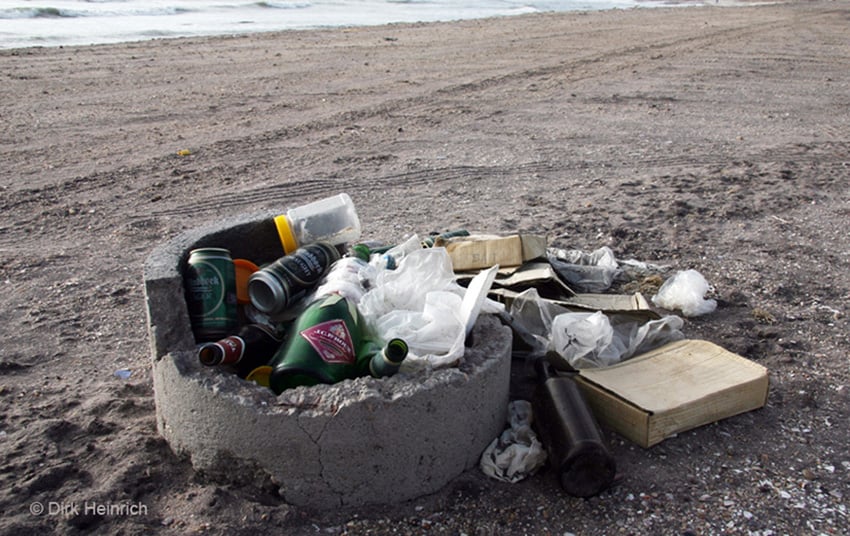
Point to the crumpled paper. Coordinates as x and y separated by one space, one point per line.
517 453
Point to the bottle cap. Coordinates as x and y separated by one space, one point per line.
244 269
260 375
284 231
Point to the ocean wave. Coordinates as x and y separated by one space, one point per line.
282 5
36 13
59 13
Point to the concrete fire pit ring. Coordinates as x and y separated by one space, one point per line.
363 441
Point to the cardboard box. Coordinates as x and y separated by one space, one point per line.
483 251
672 389
511 282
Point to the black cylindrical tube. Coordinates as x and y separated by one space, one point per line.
571 434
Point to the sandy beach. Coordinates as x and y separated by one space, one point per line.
709 137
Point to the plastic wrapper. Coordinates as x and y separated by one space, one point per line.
589 340
349 277
584 339
585 272
517 453
535 315
685 291
421 303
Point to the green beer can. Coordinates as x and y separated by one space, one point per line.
210 284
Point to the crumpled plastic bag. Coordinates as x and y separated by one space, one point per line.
585 272
432 330
650 335
421 303
587 340
584 339
535 315
685 291
517 453
591 340
349 277
390 259
405 288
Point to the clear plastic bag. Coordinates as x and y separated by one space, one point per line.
535 316
349 277
421 303
390 259
685 291
584 339
433 330
587 340
586 272
590 340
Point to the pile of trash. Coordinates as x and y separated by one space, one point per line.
333 306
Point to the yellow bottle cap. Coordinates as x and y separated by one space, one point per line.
260 375
284 231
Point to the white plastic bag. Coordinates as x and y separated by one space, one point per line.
535 315
390 259
405 288
349 277
653 334
584 339
629 336
686 292
433 330
421 303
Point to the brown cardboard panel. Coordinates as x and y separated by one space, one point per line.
483 251
677 387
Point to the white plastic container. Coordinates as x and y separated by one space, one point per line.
333 220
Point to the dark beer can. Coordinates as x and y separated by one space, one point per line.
276 287
210 281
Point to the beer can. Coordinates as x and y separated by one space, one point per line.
210 281
275 287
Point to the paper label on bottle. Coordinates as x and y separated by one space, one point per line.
332 341
234 349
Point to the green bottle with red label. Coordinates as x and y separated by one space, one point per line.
327 343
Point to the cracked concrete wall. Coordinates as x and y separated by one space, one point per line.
356 442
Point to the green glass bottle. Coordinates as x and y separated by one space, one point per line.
327 344
383 361
430 240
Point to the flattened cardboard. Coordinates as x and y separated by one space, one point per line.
483 251
672 389
510 282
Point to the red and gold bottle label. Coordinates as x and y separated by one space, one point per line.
234 349
332 341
